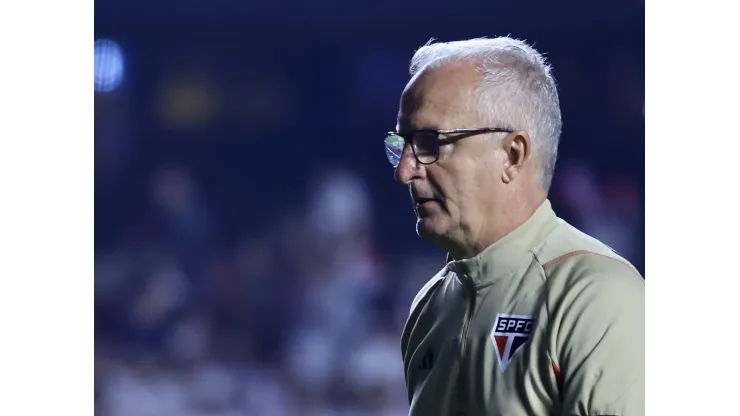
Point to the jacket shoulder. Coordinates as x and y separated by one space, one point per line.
416 306
426 288
569 250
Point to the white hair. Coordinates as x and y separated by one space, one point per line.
517 90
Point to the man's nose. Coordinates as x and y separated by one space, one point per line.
408 167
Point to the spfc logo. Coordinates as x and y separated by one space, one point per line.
510 333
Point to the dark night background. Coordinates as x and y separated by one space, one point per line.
253 253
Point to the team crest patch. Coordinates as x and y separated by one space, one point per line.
510 333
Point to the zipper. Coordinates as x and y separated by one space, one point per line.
460 388
469 311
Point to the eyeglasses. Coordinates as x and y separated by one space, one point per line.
425 143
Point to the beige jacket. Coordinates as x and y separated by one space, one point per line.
546 321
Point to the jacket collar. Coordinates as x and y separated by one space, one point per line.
502 258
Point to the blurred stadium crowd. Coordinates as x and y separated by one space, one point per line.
253 254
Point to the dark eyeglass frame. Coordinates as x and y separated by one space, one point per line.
409 137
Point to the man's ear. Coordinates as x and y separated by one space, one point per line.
517 148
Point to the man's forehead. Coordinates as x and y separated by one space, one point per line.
434 97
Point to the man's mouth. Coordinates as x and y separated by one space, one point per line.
425 206
422 201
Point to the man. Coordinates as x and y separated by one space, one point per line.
529 316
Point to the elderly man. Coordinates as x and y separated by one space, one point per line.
529 316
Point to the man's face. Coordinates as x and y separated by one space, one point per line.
452 197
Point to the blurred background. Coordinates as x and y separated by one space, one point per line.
253 255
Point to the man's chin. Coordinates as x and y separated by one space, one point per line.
429 230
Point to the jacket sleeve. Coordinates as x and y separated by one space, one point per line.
600 345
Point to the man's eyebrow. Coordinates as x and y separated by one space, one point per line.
409 127
407 123
429 127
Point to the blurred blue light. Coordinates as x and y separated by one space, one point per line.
108 65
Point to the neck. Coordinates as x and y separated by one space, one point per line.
495 226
